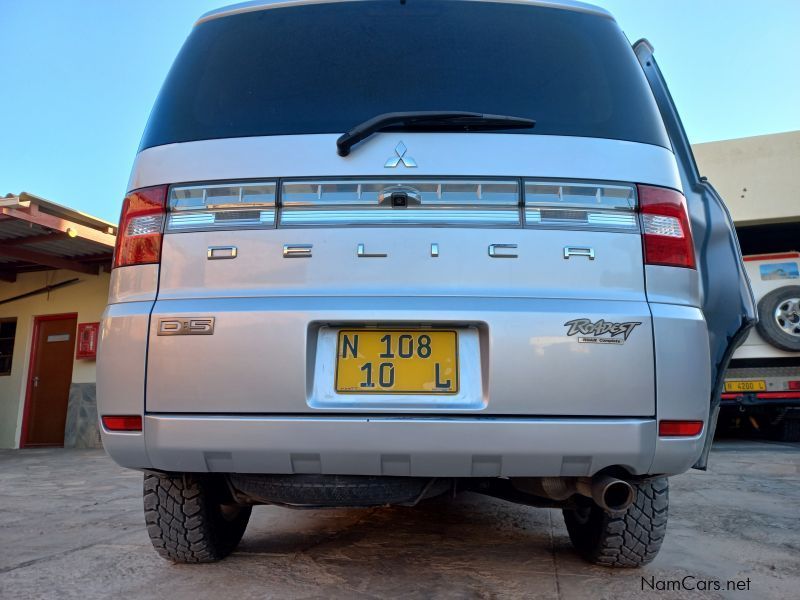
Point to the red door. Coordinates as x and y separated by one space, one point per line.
49 380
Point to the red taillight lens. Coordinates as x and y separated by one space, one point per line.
794 385
665 227
679 428
123 423
141 225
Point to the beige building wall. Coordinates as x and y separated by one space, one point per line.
87 297
758 177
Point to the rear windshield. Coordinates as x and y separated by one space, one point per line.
324 68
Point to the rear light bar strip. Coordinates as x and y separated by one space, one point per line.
400 202
377 193
222 206
581 206
568 205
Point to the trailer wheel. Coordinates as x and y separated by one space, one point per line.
779 318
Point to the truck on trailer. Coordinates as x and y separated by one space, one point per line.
757 176
762 385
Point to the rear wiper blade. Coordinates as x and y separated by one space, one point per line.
429 120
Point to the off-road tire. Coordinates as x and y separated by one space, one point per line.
629 539
190 519
769 328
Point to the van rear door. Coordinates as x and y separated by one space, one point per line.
527 243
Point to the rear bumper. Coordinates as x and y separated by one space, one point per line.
401 446
445 445
761 399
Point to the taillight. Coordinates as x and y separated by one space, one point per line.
122 422
665 227
141 226
679 428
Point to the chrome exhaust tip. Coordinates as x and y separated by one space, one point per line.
612 494
609 493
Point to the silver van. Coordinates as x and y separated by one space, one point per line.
378 251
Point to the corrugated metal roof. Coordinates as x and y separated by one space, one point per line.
60 237
11 229
70 248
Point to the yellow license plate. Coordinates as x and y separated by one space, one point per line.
397 361
755 385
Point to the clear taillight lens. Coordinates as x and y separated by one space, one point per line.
141 225
665 227
572 205
423 202
221 206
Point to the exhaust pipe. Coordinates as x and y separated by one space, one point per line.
609 493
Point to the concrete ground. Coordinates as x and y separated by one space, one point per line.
71 526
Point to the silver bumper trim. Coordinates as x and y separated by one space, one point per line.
400 446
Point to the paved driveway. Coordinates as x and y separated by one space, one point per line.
71 527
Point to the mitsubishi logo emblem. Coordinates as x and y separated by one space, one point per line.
400 152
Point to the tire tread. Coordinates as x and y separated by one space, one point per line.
766 324
184 522
629 539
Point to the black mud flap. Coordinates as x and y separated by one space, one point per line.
728 304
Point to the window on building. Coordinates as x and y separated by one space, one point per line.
8 331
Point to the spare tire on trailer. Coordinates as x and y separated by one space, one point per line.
779 318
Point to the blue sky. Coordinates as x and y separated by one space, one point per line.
78 78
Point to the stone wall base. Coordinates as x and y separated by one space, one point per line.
81 430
